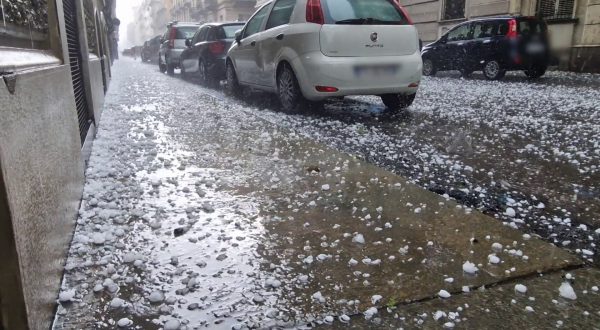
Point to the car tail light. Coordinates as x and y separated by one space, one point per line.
217 47
326 89
172 36
404 12
415 84
512 29
314 12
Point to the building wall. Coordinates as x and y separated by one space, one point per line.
42 165
43 178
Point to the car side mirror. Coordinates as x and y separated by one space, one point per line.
238 36
188 42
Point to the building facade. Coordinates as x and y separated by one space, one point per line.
212 10
574 25
55 67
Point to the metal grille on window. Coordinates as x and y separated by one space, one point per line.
556 9
454 9
24 23
75 61
90 27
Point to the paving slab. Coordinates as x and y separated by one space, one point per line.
500 307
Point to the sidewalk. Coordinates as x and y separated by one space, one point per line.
198 214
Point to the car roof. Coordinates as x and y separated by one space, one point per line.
496 18
224 23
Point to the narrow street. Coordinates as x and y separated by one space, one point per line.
200 211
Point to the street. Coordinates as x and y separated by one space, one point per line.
204 211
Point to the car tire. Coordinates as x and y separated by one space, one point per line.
428 68
492 70
396 102
161 67
184 75
203 74
288 91
170 69
233 87
535 72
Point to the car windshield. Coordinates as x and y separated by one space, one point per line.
186 32
230 30
363 12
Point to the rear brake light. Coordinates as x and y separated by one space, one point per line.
217 48
172 36
512 29
326 89
314 12
404 12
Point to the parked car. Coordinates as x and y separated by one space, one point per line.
150 50
207 51
493 45
308 50
172 44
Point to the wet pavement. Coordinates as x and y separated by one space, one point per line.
202 212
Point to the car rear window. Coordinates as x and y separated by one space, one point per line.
228 31
531 27
186 32
371 12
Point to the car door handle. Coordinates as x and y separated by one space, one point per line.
253 43
280 37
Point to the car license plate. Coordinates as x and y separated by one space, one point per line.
375 70
535 48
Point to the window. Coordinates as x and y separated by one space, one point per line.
459 33
185 32
256 21
281 13
485 29
453 9
228 31
24 24
202 34
379 10
212 34
555 9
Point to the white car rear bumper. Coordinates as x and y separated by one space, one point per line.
315 69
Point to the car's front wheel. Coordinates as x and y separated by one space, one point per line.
428 68
288 90
233 86
492 70
398 101
535 72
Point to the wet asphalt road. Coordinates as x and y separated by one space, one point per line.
519 146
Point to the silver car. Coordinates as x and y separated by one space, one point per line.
309 50
172 44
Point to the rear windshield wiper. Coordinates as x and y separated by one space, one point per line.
367 21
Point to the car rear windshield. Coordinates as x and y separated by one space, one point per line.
186 32
363 12
531 27
228 31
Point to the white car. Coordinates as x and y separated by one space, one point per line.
310 50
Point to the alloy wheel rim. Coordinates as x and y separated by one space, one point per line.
492 68
286 91
202 71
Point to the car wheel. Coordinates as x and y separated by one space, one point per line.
492 70
428 68
535 72
184 74
288 91
398 101
233 87
203 74
170 70
161 67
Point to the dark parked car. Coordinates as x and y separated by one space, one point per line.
172 44
207 50
150 50
493 45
